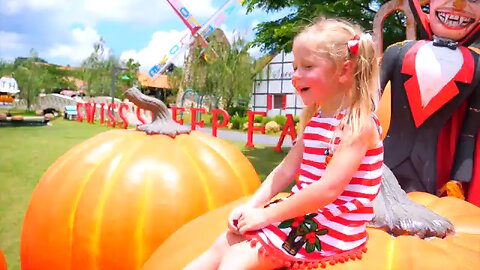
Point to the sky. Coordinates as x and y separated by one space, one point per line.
63 31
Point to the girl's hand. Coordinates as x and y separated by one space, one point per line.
234 216
252 219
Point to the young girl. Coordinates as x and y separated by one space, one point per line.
338 158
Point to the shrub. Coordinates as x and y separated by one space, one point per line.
280 119
296 119
207 119
258 119
186 118
266 119
238 121
238 110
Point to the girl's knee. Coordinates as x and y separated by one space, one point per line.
240 256
225 241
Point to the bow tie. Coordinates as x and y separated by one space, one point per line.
452 45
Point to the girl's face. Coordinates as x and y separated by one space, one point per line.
314 77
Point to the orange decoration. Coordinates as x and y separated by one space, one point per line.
384 111
460 250
453 189
3 261
110 201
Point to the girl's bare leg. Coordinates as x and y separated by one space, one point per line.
242 256
211 258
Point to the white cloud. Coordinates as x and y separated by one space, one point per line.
46 25
91 11
10 41
80 47
162 41
14 6
200 8
63 31
255 52
255 23
158 47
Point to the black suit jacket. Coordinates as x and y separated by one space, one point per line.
405 140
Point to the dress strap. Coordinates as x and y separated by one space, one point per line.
377 123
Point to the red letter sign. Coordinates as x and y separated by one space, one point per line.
79 112
251 128
194 122
122 115
90 111
102 113
215 124
174 114
288 128
112 122
139 116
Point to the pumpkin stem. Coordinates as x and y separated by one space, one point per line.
396 214
162 122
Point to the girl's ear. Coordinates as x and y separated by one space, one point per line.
347 72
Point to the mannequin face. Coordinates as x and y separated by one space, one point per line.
454 19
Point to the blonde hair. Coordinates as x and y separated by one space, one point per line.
329 38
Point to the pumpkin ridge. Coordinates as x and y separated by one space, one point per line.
113 178
66 157
198 169
51 174
449 247
391 254
243 184
80 192
231 166
460 246
459 240
140 226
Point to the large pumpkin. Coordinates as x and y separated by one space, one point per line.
111 200
460 250
3 262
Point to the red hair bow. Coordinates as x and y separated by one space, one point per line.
353 45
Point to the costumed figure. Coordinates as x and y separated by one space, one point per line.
435 100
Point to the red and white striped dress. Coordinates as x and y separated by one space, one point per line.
338 231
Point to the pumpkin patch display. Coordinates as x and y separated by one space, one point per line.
459 250
110 201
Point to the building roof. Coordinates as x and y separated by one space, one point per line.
161 81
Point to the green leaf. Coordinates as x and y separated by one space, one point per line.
322 232
312 224
310 247
286 224
304 228
318 245
277 35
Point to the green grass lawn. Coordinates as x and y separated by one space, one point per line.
27 152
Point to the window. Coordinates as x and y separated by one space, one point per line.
276 101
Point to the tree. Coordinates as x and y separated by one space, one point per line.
99 69
129 70
103 71
274 36
30 76
222 71
176 80
6 68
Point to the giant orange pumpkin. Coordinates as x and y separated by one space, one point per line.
3 262
110 201
460 250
